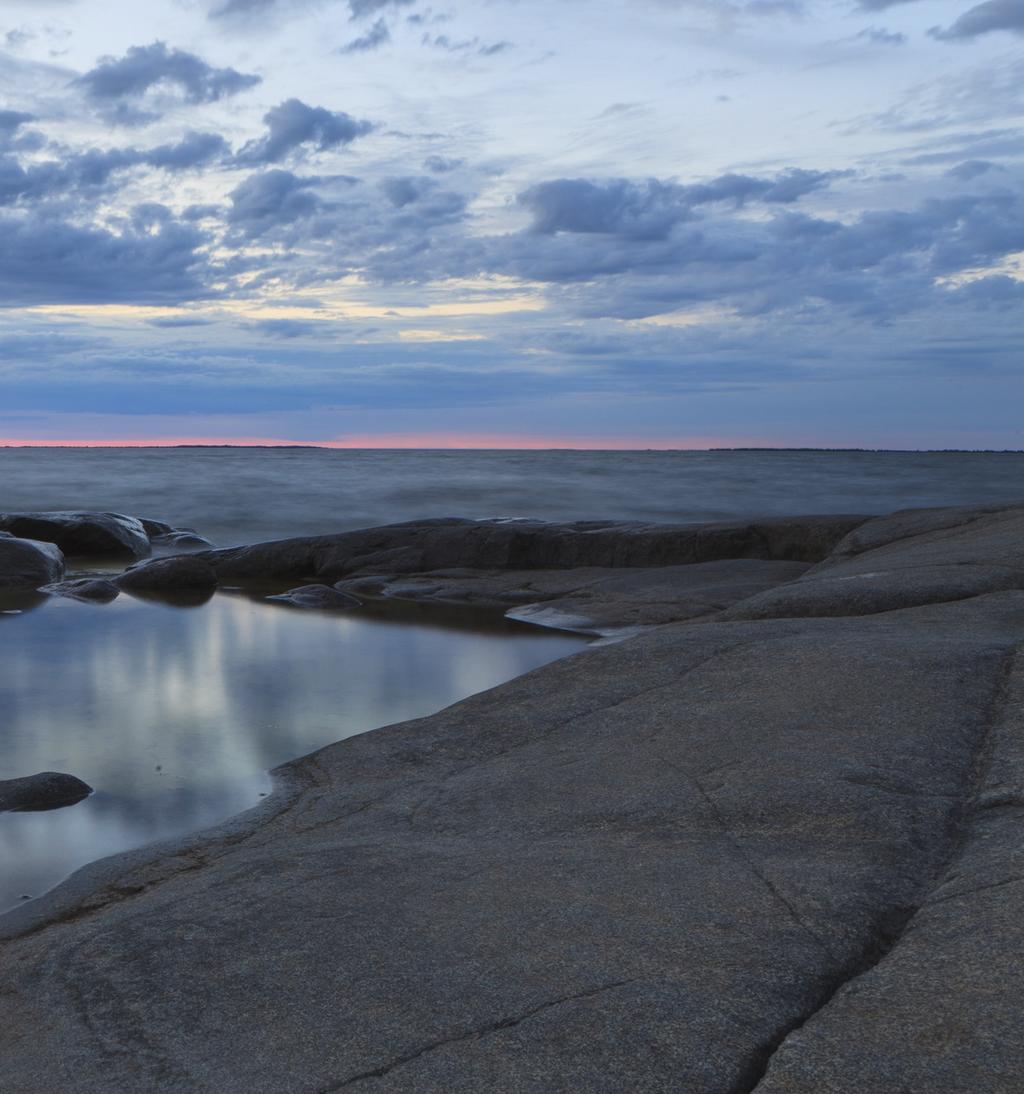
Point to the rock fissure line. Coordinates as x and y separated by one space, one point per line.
893 927
551 730
474 1034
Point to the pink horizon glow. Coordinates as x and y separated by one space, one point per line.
512 441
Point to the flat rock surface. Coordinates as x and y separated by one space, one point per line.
777 854
597 600
645 867
921 556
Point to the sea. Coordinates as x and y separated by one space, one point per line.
245 495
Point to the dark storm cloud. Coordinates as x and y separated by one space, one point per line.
193 150
293 124
377 36
650 209
628 254
145 67
269 200
151 259
91 171
986 18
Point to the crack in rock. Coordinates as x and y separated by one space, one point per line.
473 1034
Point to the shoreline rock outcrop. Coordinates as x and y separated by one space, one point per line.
727 854
446 543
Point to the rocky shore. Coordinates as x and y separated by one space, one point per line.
770 839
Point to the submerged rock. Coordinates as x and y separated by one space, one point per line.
82 533
47 790
94 589
318 596
28 563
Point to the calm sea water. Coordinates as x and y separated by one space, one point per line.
174 715
246 495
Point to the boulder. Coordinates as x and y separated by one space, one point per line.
92 534
182 573
321 597
95 589
181 580
28 563
47 790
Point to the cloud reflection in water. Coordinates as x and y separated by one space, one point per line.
174 715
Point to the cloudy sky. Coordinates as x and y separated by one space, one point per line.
635 223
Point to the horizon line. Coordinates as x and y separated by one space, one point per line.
538 446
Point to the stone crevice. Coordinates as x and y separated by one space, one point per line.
900 921
474 1034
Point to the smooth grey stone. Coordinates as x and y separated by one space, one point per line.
183 580
84 588
47 790
28 563
154 528
594 599
318 597
183 572
424 546
643 867
183 541
82 533
904 560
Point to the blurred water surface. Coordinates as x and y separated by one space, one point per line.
245 495
174 715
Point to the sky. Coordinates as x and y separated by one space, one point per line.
592 223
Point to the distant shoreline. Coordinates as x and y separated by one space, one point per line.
521 451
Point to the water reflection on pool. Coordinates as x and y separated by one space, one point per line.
174 715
